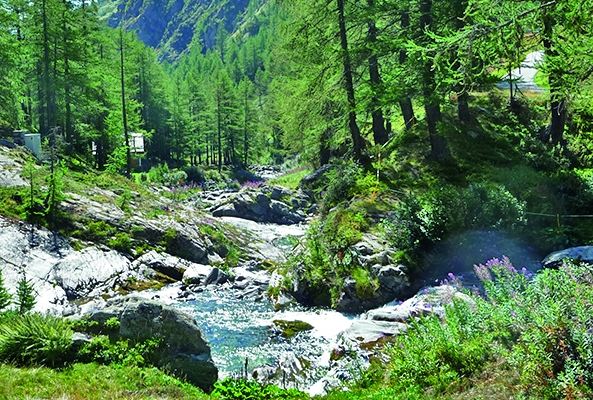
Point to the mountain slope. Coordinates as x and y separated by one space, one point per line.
171 26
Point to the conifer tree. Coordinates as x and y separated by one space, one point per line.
5 297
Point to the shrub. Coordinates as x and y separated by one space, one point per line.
121 352
5 297
174 178
431 216
242 389
194 174
121 242
97 231
365 284
341 179
25 300
538 326
343 228
35 340
156 174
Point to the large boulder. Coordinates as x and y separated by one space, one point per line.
581 253
186 352
259 207
393 284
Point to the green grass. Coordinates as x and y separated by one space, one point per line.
292 178
93 381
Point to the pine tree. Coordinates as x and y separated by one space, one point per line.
25 298
5 297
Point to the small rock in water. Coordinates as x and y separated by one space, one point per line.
288 329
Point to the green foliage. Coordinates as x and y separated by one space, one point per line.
122 352
341 180
169 237
83 324
174 178
124 200
35 339
241 389
121 242
343 228
538 326
222 236
5 297
430 216
112 324
327 257
25 298
366 285
156 174
117 160
291 179
194 174
96 231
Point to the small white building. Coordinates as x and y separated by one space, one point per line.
33 143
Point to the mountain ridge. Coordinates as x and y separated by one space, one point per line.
171 27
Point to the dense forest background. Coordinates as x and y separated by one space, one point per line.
237 82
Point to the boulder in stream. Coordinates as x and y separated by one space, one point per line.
580 253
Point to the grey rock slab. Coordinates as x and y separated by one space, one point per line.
216 277
84 270
196 273
369 332
107 212
164 263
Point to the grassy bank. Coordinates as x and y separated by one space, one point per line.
93 381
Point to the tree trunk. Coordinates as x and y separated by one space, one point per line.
463 112
123 104
432 106
46 78
380 134
67 90
358 143
219 128
557 105
245 134
405 103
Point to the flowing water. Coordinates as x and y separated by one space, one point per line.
241 329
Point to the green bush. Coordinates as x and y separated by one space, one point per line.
25 299
365 284
157 173
194 174
35 339
174 178
538 326
343 228
122 352
241 389
328 258
121 242
341 180
96 231
431 216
